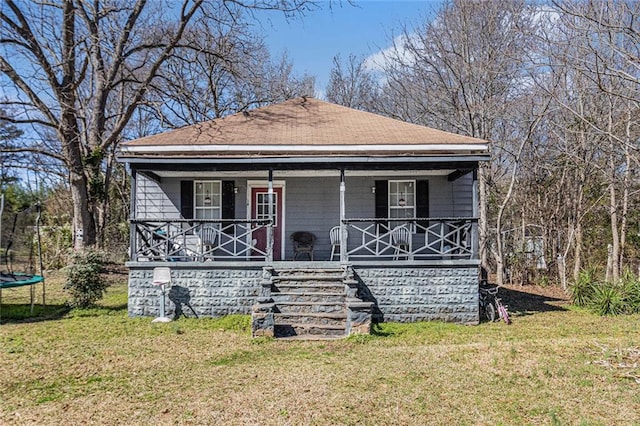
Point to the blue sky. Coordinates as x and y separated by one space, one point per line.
311 42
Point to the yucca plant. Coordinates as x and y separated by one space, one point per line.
608 299
583 288
631 293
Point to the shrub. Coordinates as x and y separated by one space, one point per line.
631 293
622 297
583 288
84 283
608 299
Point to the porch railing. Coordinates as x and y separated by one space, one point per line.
197 239
411 239
366 239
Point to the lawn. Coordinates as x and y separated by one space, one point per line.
554 365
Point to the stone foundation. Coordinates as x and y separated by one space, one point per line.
411 294
209 292
406 293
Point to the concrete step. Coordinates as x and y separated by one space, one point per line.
307 268
304 287
306 277
296 329
311 337
327 298
309 307
338 319
307 274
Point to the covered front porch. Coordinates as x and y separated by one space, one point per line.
348 216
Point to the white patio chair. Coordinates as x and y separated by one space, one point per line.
334 236
162 277
208 236
401 241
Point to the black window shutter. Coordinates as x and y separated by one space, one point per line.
382 201
422 204
228 203
186 199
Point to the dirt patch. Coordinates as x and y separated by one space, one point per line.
532 298
545 291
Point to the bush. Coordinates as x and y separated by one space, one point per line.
622 297
608 299
631 292
84 281
583 289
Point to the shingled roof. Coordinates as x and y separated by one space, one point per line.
300 125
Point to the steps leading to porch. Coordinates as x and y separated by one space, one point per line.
310 303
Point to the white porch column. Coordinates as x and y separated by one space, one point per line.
133 249
343 228
270 227
475 212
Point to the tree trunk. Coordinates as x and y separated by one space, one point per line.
84 229
577 250
625 189
614 255
503 206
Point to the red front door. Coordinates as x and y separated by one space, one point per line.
260 210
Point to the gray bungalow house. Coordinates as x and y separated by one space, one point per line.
313 217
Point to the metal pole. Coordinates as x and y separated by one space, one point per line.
270 226
39 209
343 228
162 312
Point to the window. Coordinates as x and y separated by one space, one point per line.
262 206
208 199
402 202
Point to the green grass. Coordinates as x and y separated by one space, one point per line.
555 367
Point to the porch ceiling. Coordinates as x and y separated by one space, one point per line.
300 173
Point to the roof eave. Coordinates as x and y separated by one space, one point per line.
398 149
308 161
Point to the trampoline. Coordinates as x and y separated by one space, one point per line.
22 245
17 279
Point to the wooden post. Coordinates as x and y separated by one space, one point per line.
343 228
132 215
270 226
474 224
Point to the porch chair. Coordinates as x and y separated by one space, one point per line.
334 236
303 243
401 241
162 277
208 236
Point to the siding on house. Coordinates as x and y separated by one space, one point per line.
312 205
153 199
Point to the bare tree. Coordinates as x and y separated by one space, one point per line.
462 72
603 48
81 68
351 84
219 69
9 158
